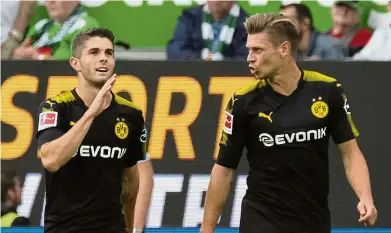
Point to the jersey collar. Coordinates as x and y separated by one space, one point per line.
80 101
270 89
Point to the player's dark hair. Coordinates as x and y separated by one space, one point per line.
302 12
83 36
7 182
279 27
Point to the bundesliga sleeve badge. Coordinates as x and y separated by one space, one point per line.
228 123
47 120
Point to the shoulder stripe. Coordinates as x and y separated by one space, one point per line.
256 84
64 97
313 76
126 102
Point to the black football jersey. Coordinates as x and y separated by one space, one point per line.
84 194
287 140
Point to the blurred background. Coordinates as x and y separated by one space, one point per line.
180 61
161 30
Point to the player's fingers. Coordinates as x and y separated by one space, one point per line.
373 218
366 216
361 209
106 88
110 81
106 91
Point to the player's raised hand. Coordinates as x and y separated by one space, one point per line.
368 213
103 98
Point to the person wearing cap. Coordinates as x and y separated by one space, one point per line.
346 26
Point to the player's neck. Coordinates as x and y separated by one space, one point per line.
7 204
287 80
87 93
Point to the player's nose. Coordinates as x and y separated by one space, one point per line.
250 57
102 56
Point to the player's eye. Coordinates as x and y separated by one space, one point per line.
109 53
94 52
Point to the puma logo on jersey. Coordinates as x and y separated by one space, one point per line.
50 103
268 117
233 100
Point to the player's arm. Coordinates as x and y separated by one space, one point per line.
137 151
56 147
356 170
130 186
344 133
231 148
145 169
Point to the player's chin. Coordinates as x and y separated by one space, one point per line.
258 76
100 79
254 72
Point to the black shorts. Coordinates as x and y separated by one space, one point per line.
251 220
257 218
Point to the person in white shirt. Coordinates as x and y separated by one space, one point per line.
14 24
379 46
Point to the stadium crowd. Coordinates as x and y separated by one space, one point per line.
212 31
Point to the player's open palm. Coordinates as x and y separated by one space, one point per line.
103 99
368 213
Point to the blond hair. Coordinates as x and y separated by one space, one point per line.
279 27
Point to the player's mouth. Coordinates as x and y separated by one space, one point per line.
252 69
102 70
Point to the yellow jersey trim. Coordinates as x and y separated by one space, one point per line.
256 84
65 97
313 76
126 102
8 219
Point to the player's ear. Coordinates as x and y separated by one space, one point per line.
285 49
75 63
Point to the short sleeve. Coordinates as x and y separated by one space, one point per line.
51 123
232 139
137 149
21 222
147 158
342 126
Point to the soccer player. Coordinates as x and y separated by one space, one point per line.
285 119
89 142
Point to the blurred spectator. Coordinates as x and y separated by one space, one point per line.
379 46
346 26
313 45
15 17
213 31
52 38
373 15
11 197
